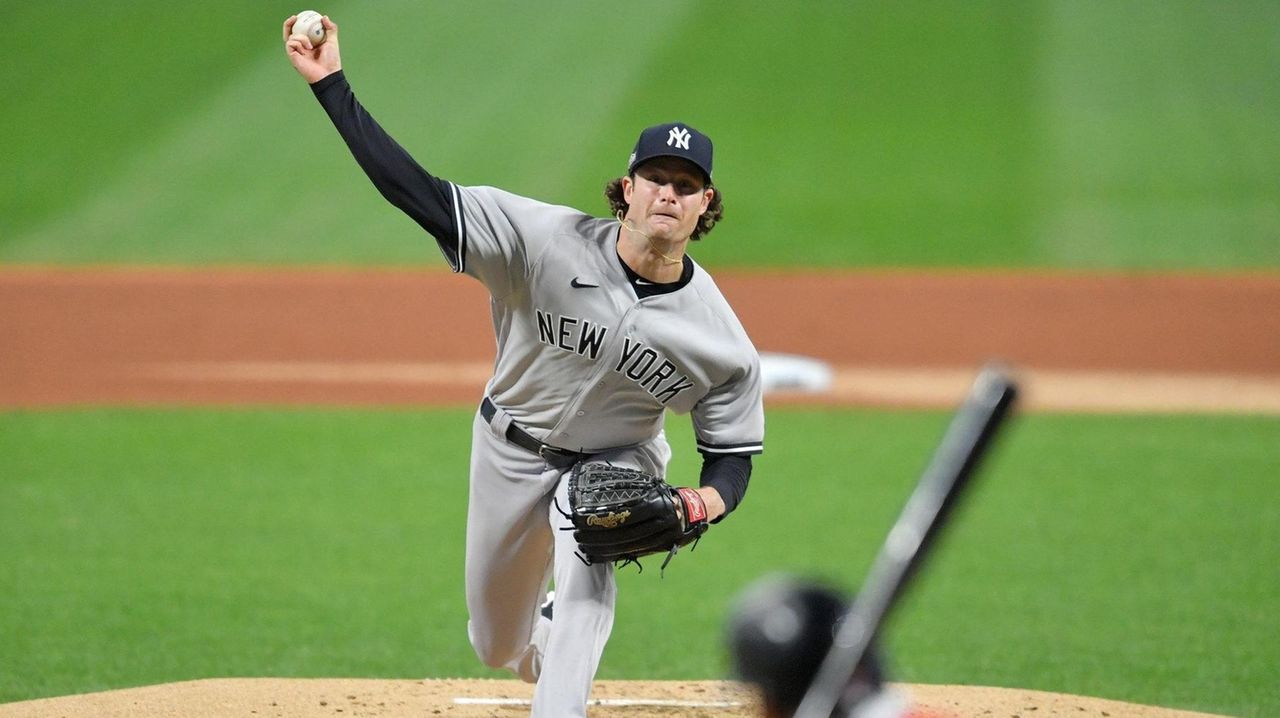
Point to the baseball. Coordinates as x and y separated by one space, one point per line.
308 24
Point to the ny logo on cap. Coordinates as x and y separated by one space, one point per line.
678 138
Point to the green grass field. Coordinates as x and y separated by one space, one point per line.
1127 557
1109 556
996 133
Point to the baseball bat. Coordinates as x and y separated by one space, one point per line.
954 461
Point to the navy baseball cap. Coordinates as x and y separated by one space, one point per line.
673 139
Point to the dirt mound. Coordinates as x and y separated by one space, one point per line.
457 698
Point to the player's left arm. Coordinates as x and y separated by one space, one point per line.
729 424
723 483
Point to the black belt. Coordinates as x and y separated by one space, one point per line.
554 456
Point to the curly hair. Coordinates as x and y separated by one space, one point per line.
715 209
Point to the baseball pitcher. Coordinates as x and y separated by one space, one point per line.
601 326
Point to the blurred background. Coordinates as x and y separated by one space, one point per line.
1074 133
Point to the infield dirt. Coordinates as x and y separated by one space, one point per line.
1141 342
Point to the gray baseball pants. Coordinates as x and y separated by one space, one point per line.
515 547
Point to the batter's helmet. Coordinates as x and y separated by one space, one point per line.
780 630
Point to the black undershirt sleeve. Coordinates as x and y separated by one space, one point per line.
728 474
428 200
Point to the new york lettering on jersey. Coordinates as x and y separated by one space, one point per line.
644 365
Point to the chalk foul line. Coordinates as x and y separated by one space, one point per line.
604 702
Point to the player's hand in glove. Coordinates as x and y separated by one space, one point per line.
622 514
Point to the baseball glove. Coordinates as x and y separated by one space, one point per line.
622 514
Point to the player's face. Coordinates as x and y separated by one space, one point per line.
667 196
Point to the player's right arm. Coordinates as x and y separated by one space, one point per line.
428 200
484 232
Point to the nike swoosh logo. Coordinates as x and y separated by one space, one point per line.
580 285
646 284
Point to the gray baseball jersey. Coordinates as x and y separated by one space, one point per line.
582 363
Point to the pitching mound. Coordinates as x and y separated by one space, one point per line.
351 698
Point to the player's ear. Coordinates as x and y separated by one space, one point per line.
708 194
627 186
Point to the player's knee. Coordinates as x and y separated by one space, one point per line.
493 650
520 657
524 663
493 656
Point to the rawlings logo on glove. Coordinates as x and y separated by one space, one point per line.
611 521
622 514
